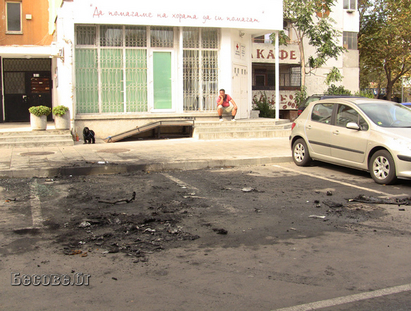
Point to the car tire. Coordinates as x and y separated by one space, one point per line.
382 167
301 155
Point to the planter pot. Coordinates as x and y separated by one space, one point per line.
62 122
255 114
38 123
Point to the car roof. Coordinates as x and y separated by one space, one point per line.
325 96
353 100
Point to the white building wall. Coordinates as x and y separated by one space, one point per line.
348 63
64 73
225 62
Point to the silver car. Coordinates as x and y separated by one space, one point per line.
362 133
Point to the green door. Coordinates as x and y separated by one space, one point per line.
162 80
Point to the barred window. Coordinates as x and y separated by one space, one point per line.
111 36
200 68
209 38
350 40
111 69
264 76
86 35
191 38
162 37
136 36
295 73
350 4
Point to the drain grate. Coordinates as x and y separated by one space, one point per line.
118 150
36 153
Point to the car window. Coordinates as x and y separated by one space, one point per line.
322 113
387 114
346 114
311 99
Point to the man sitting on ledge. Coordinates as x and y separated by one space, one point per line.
227 104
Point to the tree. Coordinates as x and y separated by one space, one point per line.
310 21
384 42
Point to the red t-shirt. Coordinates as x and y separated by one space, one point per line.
226 102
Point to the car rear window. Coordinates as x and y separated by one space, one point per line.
310 100
322 113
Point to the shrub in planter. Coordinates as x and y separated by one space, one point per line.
61 117
60 110
38 117
39 111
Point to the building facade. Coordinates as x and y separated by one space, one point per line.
26 51
124 65
346 16
118 66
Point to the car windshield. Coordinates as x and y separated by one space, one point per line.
387 114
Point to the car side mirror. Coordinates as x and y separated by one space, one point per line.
352 126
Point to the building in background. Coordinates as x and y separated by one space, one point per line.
346 16
121 65
26 51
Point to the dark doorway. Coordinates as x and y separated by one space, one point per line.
27 82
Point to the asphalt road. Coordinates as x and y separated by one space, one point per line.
252 238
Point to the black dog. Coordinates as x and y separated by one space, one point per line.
88 136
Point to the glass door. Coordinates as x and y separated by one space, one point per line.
162 83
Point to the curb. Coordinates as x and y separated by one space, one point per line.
113 168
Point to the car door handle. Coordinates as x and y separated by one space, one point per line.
337 132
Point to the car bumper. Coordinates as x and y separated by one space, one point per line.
403 166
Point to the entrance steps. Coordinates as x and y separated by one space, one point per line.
241 129
28 139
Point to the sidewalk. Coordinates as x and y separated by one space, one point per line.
153 155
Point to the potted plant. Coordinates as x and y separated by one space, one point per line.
61 117
38 117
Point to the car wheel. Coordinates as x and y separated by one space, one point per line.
301 156
382 167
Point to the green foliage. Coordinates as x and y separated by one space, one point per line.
40 110
323 37
310 21
263 104
301 96
333 76
340 90
283 39
367 94
384 43
60 110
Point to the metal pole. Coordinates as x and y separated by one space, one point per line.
277 77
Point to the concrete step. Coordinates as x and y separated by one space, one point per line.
26 144
246 122
28 139
242 129
214 129
27 132
243 135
